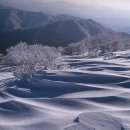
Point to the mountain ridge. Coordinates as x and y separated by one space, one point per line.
52 30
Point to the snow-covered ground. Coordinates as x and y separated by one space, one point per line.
93 95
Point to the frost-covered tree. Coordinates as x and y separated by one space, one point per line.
31 58
104 43
60 49
76 49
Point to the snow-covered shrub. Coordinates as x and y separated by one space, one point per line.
76 49
92 54
28 59
60 49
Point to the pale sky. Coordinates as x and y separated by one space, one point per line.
119 4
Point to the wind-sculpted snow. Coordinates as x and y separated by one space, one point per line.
96 121
93 95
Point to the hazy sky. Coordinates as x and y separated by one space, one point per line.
118 4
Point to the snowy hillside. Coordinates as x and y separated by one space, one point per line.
93 95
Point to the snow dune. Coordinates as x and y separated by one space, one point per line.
94 95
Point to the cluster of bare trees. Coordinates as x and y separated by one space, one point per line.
75 49
27 59
103 44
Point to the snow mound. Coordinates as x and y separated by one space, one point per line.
96 121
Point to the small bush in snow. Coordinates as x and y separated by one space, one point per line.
31 58
76 49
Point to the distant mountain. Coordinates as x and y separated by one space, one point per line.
127 30
105 15
36 27
12 19
59 33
